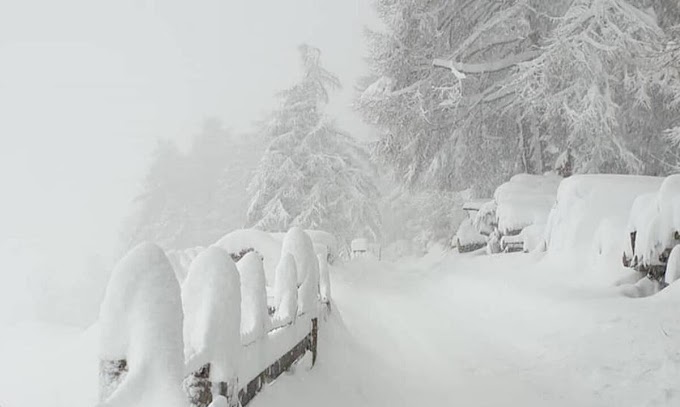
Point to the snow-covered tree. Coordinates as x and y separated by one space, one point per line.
590 88
192 198
313 174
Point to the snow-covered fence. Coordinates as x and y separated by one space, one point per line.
232 346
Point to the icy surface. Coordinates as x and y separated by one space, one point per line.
285 293
141 322
262 242
255 317
211 297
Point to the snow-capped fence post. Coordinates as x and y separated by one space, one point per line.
285 291
324 282
140 348
211 297
254 311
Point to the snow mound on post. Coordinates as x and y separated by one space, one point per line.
299 244
583 201
285 291
324 279
261 242
211 296
141 322
254 313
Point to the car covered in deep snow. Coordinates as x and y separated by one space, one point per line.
468 238
653 233
524 201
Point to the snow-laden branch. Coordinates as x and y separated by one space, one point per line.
459 69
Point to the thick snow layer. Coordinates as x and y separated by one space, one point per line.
324 279
219 401
485 219
525 200
262 242
532 237
211 296
285 293
467 234
299 244
141 322
254 314
583 201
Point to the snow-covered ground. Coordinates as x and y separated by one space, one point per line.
471 330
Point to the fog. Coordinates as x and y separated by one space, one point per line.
87 87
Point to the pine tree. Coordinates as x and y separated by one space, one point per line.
312 175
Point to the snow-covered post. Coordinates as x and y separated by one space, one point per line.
140 350
324 281
211 296
254 312
285 291
299 244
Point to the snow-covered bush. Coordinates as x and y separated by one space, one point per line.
211 297
286 291
263 243
324 279
141 332
254 313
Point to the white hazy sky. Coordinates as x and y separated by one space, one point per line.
87 86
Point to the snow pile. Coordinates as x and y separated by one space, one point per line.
299 244
285 291
211 296
532 238
525 200
254 313
219 401
673 266
324 279
141 323
262 242
583 201
181 261
485 219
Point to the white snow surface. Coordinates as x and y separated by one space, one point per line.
299 244
285 292
211 297
141 322
468 234
181 260
262 242
528 330
254 314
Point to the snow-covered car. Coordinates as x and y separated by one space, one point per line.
525 200
468 238
653 233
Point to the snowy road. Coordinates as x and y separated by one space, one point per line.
487 331
505 330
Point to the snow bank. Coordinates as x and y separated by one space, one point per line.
285 291
141 322
324 279
254 313
261 242
211 296
583 201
